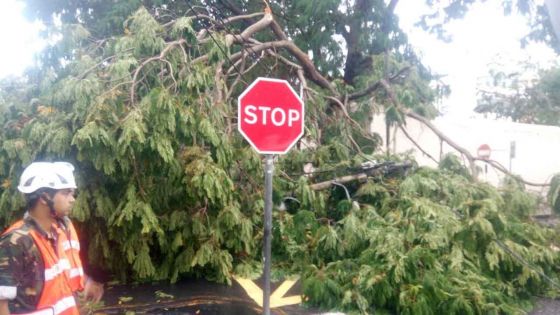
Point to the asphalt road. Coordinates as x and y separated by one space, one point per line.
199 297
546 307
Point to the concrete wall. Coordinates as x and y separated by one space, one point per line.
537 147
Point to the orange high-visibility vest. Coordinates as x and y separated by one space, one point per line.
67 240
63 272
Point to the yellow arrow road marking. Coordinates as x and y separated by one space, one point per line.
277 298
253 291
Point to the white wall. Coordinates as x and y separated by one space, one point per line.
537 155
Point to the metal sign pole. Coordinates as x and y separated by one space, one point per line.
268 173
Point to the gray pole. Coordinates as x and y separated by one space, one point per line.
268 172
511 153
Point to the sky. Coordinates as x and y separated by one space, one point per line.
19 38
478 39
484 36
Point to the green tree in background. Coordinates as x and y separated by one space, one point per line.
536 15
141 97
533 101
367 27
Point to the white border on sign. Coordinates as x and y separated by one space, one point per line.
239 115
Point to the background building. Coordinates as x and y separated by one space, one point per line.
531 151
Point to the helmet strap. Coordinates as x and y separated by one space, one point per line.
50 204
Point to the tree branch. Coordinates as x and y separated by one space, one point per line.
249 31
391 6
504 170
417 145
426 122
284 60
341 180
238 77
370 89
442 136
175 84
85 73
284 42
241 17
344 111
231 6
147 61
471 159
304 60
278 31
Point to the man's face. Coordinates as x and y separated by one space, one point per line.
63 201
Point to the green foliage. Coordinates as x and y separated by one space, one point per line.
554 193
536 13
156 171
451 163
523 100
516 199
431 243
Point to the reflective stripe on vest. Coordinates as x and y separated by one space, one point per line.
71 247
58 268
71 244
46 311
59 307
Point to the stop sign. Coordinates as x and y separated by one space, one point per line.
270 116
484 151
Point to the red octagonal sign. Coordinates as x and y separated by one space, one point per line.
270 116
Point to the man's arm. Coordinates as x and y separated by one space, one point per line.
95 276
93 290
4 310
8 290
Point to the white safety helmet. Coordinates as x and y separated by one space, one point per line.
54 175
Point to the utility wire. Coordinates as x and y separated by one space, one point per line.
345 190
222 50
219 14
516 256
526 263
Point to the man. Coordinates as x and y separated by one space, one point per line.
40 266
